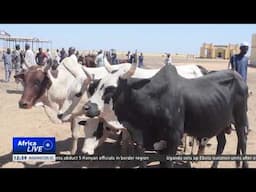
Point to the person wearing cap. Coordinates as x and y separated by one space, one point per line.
29 58
168 59
141 58
7 58
48 54
16 59
113 58
239 62
63 54
99 60
71 53
129 56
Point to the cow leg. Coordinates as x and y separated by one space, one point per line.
91 141
125 142
185 142
241 145
221 139
126 146
172 145
51 114
75 134
238 153
192 142
241 126
137 136
141 150
140 146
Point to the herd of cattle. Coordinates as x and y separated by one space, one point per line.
153 108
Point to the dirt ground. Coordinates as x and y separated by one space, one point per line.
34 122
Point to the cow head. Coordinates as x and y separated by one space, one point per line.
73 104
35 82
106 89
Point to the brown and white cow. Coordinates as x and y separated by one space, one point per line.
58 88
51 86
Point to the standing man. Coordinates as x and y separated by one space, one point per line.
57 56
29 57
7 57
168 59
113 58
63 54
71 53
16 59
239 62
48 54
99 60
135 56
129 56
141 58
41 57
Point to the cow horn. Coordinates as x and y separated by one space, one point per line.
107 64
130 72
47 66
50 76
89 76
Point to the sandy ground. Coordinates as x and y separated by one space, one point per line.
34 122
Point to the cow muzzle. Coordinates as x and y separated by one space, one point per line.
60 115
91 109
24 105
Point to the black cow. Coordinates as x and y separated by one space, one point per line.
167 105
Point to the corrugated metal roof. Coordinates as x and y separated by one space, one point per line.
7 37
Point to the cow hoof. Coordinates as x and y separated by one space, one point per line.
60 115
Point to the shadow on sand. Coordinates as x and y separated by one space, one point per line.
14 91
2 81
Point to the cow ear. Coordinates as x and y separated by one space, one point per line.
19 76
138 83
54 64
47 82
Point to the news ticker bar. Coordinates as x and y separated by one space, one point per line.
153 157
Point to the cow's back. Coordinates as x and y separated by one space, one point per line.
151 105
211 101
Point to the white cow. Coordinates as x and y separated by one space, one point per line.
73 107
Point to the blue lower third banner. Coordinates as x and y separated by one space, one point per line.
33 148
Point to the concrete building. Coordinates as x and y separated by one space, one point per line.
253 50
211 51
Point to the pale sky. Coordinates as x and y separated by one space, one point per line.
173 38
